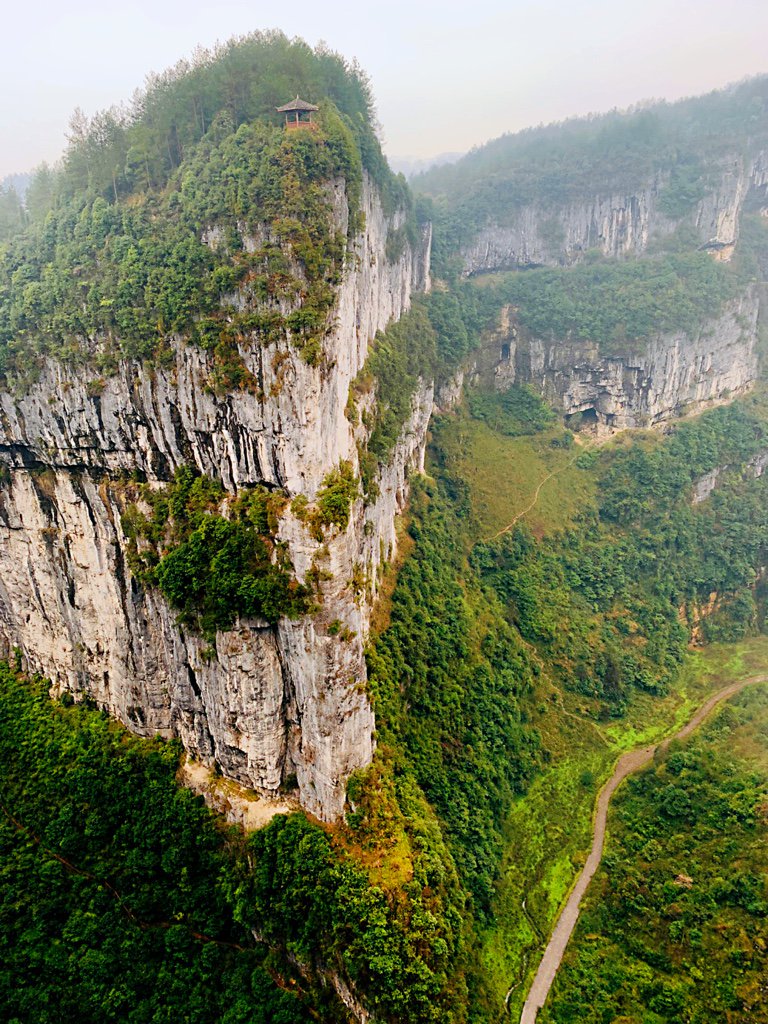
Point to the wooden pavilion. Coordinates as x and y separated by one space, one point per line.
298 114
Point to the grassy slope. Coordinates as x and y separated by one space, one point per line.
504 472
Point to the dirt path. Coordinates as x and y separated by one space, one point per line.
566 922
534 501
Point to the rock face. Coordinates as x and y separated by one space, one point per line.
274 702
672 374
618 224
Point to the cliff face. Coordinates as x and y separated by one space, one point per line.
273 702
672 374
618 224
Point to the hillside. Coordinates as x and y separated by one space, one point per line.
612 182
675 925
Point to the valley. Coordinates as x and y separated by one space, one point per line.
401 515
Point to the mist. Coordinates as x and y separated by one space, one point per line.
446 77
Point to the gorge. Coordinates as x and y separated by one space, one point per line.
271 422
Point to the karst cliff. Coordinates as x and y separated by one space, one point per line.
273 701
624 223
667 376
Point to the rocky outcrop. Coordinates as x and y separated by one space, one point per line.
670 375
752 469
271 704
618 224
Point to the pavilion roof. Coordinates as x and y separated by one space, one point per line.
296 104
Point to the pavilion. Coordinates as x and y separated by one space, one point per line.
298 114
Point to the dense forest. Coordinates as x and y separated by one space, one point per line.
124 899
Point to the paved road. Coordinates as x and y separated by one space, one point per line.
566 922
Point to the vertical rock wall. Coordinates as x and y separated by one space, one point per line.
618 224
273 702
670 375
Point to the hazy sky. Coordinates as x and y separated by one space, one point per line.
446 75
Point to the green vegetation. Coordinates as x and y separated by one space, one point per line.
212 568
334 500
602 603
504 473
509 726
194 214
123 899
11 213
548 832
112 903
428 343
579 158
621 305
513 413
676 924
398 944
447 678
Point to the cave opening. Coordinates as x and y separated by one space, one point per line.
585 419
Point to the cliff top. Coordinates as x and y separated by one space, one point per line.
168 217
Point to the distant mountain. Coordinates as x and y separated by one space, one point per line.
616 183
411 165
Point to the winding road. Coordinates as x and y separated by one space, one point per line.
566 922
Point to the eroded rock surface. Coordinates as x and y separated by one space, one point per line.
618 223
670 375
273 704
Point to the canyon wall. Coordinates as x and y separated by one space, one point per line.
618 223
669 375
272 703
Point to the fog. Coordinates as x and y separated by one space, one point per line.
446 76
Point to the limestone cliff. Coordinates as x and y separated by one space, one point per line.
668 376
619 223
274 702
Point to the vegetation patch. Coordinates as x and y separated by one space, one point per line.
548 832
114 879
515 412
212 555
504 473
195 214
448 677
621 305
125 900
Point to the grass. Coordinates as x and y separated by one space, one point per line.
548 832
382 608
504 472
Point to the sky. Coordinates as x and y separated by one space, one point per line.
446 75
